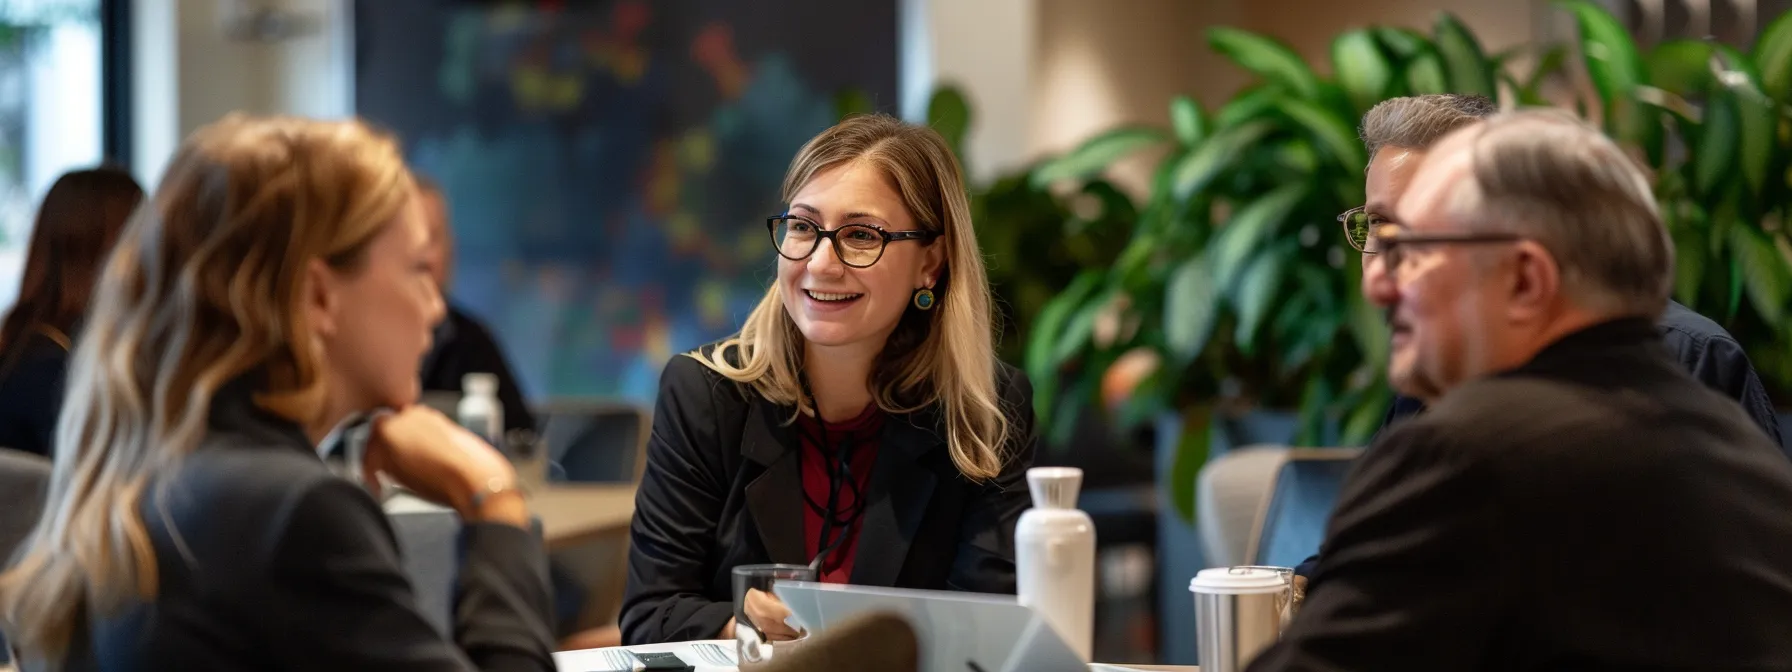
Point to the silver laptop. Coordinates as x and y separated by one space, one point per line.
958 632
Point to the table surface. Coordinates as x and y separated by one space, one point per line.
574 512
589 659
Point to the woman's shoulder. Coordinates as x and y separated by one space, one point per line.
692 376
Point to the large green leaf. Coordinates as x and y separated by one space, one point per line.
1610 56
1689 267
1764 275
1048 331
1213 156
1720 131
1402 43
1192 449
1682 67
1425 75
1361 69
1191 306
1415 58
1248 106
1335 134
1464 62
1097 154
950 114
1188 120
1256 291
1268 58
1248 229
1759 124
1773 52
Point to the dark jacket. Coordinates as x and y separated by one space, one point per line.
1701 347
1594 509
722 489
1706 351
281 565
31 397
463 346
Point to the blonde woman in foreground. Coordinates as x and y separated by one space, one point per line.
859 423
276 284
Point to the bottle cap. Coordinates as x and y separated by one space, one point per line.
482 384
1054 487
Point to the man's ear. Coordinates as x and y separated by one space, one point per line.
1536 281
322 297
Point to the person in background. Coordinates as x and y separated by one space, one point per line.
278 282
80 218
1572 498
463 344
1399 133
859 423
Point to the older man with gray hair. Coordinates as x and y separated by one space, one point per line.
1572 499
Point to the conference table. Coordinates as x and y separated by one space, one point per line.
575 513
717 655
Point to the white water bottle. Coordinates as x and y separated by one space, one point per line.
1054 556
479 410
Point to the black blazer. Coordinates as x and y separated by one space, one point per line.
722 489
1594 509
1705 350
283 565
31 397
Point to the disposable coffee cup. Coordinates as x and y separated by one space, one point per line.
1239 612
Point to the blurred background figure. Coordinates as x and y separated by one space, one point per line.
463 345
80 218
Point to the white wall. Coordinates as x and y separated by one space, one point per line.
985 47
190 71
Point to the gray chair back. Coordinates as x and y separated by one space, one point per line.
24 482
595 440
1231 492
1306 489
429 545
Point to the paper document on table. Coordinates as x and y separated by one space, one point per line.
705 656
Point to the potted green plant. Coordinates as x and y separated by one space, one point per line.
1235 293
1712 122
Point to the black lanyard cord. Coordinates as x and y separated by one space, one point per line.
840 476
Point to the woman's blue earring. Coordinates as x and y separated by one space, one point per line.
924 299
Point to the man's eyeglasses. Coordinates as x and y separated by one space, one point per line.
1358 227
857 245
1371 234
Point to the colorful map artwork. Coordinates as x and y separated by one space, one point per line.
609 164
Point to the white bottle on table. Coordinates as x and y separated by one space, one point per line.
1054 557
479 410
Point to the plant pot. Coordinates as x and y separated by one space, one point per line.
1179 551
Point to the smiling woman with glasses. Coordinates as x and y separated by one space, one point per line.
859 427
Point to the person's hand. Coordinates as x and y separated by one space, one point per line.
768 613
442 462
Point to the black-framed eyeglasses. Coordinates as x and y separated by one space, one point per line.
1392 241
858 245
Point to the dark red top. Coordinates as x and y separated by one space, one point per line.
856 437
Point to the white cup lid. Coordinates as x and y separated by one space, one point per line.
1238 581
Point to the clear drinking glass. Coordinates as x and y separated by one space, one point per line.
750 644
528 454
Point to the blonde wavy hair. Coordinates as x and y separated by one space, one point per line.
205 285
944 357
